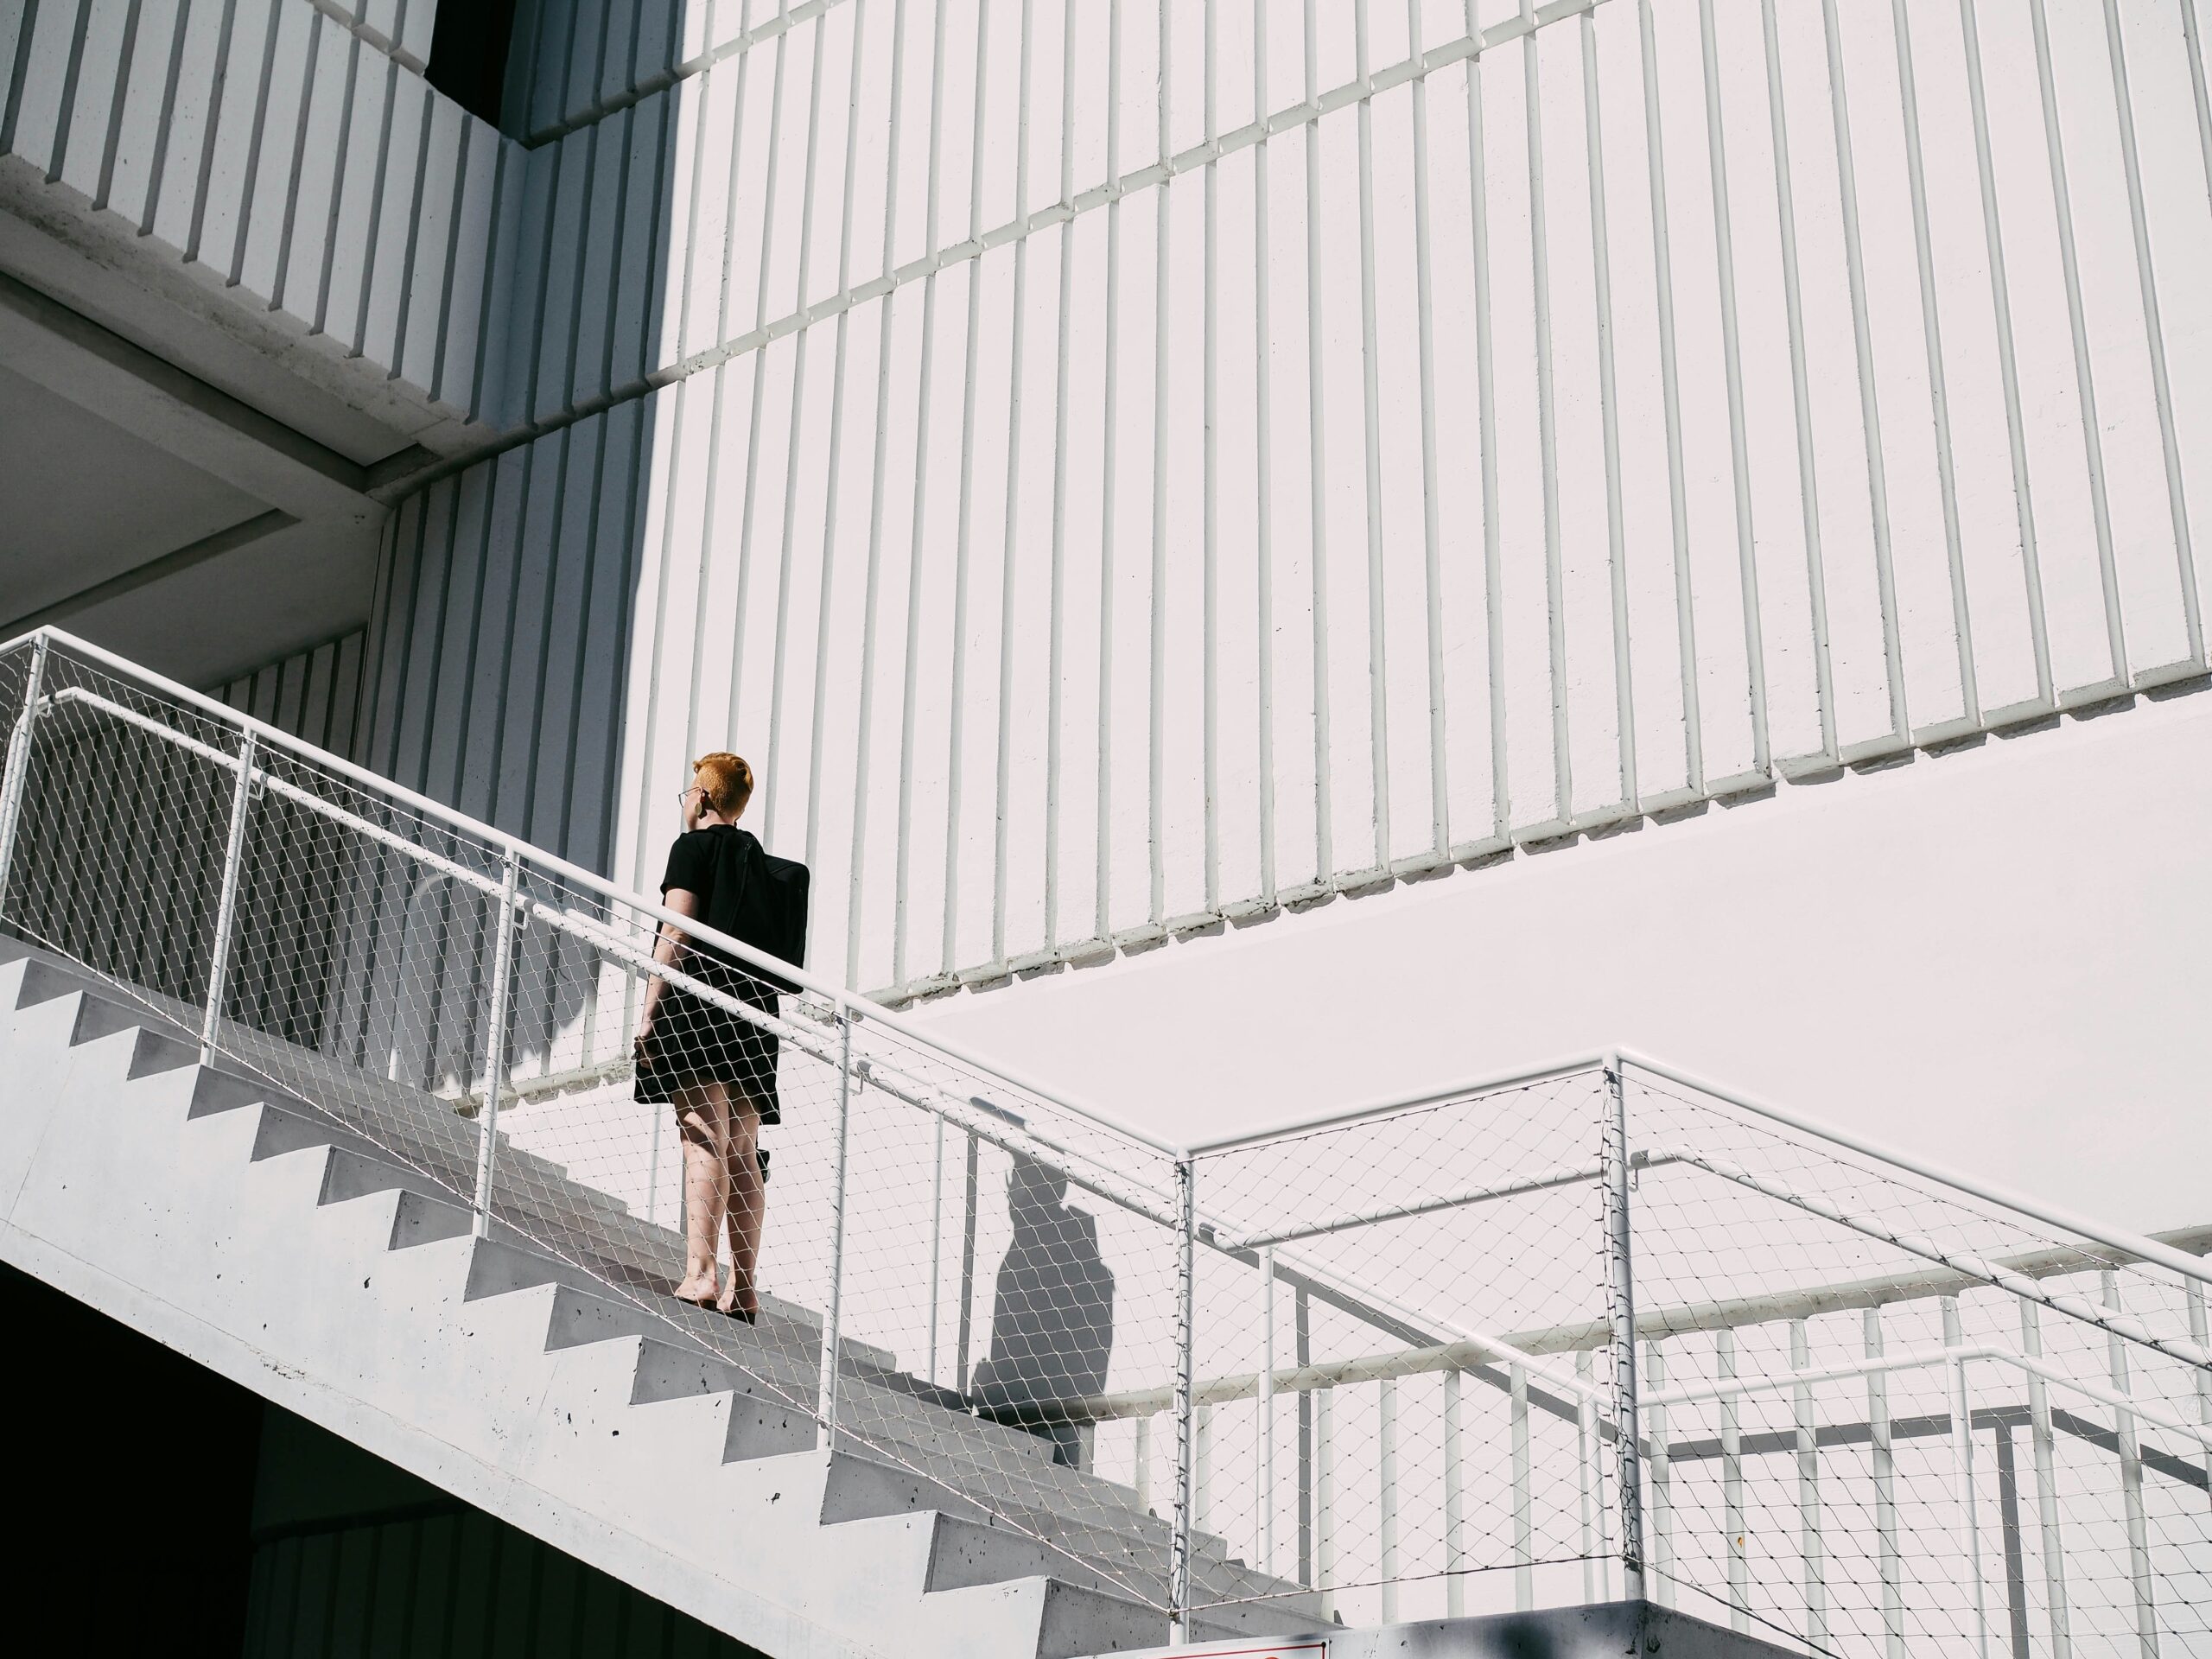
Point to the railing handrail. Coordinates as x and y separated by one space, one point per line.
1334 1117
576 874
1490 1083
2051 1215
1373 1306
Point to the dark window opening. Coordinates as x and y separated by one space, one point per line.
468 54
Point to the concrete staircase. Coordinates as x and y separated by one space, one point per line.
328 1265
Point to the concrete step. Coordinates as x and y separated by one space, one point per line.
477 1339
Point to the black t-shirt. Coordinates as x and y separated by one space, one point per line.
691 866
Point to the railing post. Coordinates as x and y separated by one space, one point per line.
1178 1567
967 1320
495 1041
1962 1470
833 1309
219 968
19 762
1267 1409
937 1244
1621 1282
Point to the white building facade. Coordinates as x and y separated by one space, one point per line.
1117 468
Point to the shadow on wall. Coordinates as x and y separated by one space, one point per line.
1053 1312
498 666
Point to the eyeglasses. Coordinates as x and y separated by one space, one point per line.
684 799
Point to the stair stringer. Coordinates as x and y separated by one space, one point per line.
115 1192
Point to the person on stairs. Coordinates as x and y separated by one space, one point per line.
715 1067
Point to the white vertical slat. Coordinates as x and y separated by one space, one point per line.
345 296
2155 343
1589 1502
1055 670
1317 402
1802 410
832 492
1888 1558
174 187
1324 1499
1736 1533
2199 1332
1009 550
272 193
1103 927
643 235
298 280
1142 1485
1547 431
683 166
1678 503
922 425
228 160
1609 415
1732 353
1455 1500
560 290
864 738
1524 1493
1202 1481
418 24
1877 451
40 95
143 110
1811 1545
1962 1470
957 702
492 367
2054 1554
1210 519
1938 387
426 303
1156 742
1993 543
92 88
1660 1492
591 362
2045 697
475 227
141 58
1388 1495
2140 1577
547 85
1377 661
1263 470
2107 570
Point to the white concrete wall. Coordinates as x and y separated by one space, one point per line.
313 694
287 154
1995 961
1731 399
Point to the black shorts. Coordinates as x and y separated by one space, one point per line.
694 1041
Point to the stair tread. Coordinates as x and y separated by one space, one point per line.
424 1145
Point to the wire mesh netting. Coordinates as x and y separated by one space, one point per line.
997 1253
1374 1367
1366 1420
1883 1416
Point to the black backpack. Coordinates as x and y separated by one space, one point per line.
760 900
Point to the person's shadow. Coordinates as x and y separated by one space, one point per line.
1053 1319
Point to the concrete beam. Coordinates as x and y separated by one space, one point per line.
46 342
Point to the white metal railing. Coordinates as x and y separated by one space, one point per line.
1483 1346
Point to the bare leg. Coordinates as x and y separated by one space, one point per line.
703 1116
749 1205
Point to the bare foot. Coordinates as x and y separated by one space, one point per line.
698 1289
